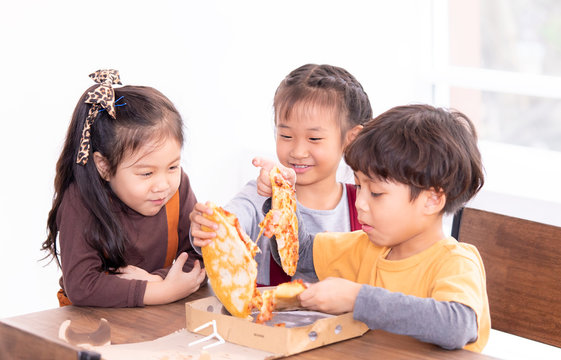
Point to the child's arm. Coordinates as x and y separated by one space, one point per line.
448 324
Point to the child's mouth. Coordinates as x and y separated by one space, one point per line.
158 201
300 168
366 228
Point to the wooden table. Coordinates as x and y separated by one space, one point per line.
35 336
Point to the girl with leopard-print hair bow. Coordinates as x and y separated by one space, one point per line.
121 204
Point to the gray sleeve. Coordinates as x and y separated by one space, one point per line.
247 205
450 325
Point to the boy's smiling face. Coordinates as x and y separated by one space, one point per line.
390 218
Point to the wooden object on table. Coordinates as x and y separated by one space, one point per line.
35 336
522 261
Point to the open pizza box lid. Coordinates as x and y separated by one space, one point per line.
303 330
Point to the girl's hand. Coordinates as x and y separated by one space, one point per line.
177 284
332 296
201 237
264 187
132 272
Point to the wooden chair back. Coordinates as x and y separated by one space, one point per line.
522 262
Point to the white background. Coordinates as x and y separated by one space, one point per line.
220 63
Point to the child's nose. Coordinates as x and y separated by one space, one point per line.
360 202
299 150
161 184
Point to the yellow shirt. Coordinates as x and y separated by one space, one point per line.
447 271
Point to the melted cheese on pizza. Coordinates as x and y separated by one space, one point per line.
281 221
230 264
283 297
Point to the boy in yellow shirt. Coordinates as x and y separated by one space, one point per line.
401 273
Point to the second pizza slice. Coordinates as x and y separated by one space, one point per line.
281 221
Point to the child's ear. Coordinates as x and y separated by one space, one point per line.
352 134
434 201
102 165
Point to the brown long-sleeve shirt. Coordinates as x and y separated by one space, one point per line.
147 236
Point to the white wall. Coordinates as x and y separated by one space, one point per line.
218 61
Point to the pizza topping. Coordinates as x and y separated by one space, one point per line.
230 264
266 311
281 221
283 297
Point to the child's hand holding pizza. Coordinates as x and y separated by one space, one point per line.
202 228
280 221
332 295
264 185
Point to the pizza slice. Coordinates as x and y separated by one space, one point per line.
283 297
230 264
281 221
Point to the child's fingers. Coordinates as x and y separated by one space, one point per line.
305 296
202 276
204 234
290 175
196 215
200 272
201 242
263 163
203 208
264 187
180 260
199 222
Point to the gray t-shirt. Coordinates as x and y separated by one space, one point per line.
247 206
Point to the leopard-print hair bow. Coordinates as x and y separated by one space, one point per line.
102 97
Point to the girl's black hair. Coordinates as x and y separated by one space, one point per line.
324 85
148 115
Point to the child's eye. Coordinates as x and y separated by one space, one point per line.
146 174
315 139
373 194
286 136
174 167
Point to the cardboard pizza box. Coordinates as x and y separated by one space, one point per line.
303 330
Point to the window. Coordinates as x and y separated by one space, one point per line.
499 62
